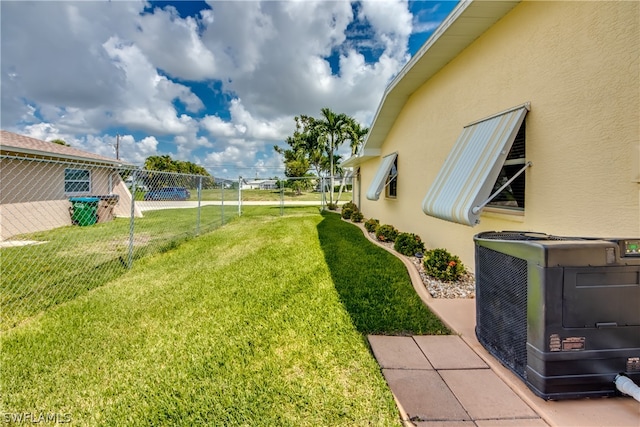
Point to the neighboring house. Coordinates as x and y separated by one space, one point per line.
260 184
225 183
139 183
547 93
39 177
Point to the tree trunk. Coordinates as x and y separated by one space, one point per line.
345 175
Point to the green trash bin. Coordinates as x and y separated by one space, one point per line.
84 210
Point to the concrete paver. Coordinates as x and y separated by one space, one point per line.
484 395
398 352
449 352
520 422
444 424
424 395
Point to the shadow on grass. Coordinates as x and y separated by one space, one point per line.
373 285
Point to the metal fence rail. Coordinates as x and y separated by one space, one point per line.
68 227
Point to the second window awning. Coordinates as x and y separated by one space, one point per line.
381 176
464 183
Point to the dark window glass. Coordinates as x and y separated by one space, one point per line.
77 181
392 180
512 197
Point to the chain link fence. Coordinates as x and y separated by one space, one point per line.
294 191
67 227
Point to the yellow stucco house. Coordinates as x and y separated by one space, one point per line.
538 102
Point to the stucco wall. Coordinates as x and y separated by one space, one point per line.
29 217
32 196
577 64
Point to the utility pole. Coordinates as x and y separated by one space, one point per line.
117 146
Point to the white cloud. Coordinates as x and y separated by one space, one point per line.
173 45
130 150
243 125
148 97
423 21
231 156
218 127
78 69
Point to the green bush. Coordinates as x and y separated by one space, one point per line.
350 205
439 263
408 244
386 233
346 213
371 224
332 206
357 216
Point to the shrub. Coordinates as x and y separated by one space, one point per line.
350 205
439 263
332 206
357 216
408 244
386 233
346 213
371 224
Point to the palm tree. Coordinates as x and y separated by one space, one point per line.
332 131
356 134
307 137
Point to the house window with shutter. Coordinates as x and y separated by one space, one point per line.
392 181
485 167
512 197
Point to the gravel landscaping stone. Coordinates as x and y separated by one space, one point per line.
463 288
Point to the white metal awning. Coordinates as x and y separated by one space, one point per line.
463 185
381 176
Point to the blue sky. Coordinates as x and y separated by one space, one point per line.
217 83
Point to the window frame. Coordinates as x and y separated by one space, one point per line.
391 183
381 177
462 187
516 159
75 182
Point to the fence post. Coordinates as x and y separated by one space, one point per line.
199 205
134 189
239 195
322 196
222 204
281 198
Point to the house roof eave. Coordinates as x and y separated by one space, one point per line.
466 22
8 150
365 155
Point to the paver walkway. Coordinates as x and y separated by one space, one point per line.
440 381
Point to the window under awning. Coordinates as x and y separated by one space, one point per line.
381 176
464 184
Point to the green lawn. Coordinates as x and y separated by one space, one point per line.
260 322
76 259
257 195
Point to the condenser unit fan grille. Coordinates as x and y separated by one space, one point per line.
501 318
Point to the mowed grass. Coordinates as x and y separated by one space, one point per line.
255 195
76 259
252 324
266 195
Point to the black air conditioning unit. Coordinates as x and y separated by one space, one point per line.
563 313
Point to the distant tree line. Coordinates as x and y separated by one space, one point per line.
167 164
